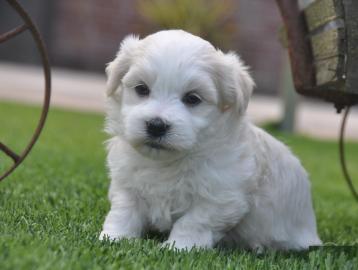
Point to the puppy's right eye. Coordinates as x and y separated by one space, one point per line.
142 90
191 99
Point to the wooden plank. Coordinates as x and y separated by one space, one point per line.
328 44
351 11
328 70
321 12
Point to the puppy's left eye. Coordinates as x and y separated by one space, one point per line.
191 99
142 90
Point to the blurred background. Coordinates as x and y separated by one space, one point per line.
83 35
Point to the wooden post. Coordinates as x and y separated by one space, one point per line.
298 45
289 98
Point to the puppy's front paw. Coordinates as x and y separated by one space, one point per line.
178 246
184 244
104 235
113 236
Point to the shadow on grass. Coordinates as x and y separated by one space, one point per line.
335 251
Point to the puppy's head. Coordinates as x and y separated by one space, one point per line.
172 91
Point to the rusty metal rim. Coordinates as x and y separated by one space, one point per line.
29 25
342 156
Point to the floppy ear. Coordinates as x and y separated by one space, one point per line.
116 69
235 82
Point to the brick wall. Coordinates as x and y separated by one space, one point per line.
88 32
85 34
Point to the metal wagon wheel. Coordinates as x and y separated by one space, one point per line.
28 25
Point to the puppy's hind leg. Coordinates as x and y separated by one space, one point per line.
205 225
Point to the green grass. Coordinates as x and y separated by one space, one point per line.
53 206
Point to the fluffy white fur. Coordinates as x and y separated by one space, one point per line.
219 180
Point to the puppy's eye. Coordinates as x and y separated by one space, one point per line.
142 90
191 99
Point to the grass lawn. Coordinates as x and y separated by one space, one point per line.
52 208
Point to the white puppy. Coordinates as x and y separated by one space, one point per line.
184 159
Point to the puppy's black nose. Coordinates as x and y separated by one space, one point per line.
156 127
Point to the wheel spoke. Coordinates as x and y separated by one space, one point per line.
12 33
15 157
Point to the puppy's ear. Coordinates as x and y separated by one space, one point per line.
235 82
116 69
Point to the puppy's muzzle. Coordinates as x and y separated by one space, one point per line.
156 128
